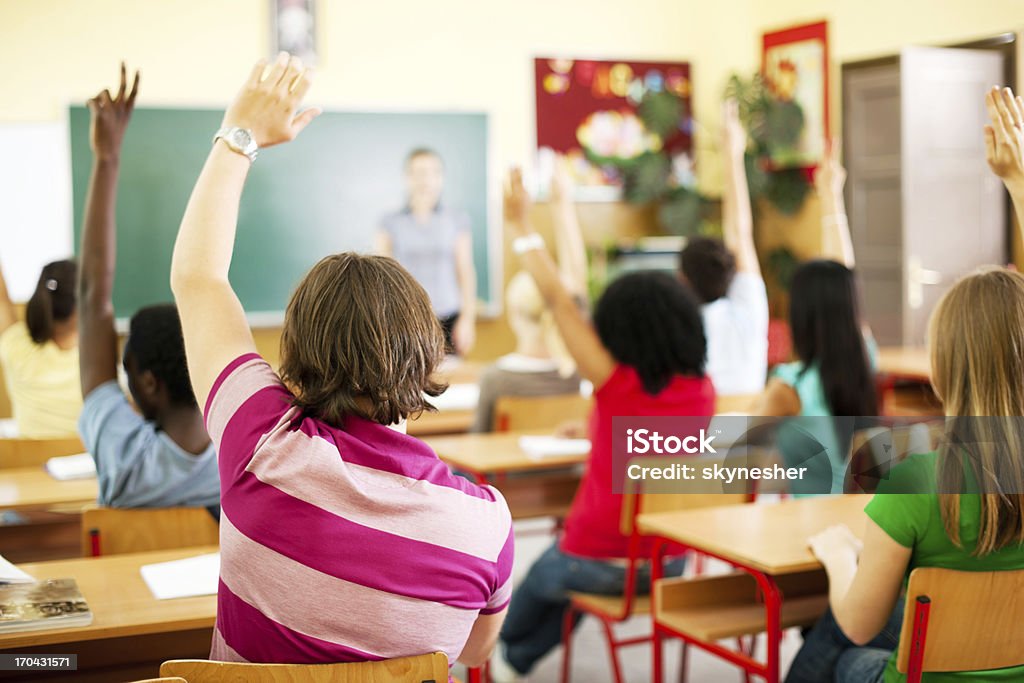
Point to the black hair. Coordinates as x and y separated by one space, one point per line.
651 322
155 342
53 301
708 267
825 321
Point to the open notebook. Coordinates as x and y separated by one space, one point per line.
185 578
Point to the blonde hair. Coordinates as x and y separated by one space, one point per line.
976 336
523 299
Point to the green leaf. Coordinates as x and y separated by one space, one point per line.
682 213
782 263
787 189
661 113
646 179
784 122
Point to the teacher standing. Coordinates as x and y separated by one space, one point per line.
435 244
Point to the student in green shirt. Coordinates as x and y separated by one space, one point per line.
976 335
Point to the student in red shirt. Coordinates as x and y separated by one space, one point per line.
644 352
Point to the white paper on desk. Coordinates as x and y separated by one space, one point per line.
458 397
8 428
80 466
11 574
186 578
540 447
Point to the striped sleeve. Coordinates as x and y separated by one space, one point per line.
246 402
503 566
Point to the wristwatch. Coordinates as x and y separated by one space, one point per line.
240 140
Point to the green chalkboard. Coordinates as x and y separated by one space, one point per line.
323 193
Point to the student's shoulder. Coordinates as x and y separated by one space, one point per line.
14 338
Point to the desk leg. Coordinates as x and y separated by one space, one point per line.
657 571
773 624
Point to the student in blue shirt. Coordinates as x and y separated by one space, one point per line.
833 375
162 457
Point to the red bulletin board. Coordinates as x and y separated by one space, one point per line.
570 92
794 62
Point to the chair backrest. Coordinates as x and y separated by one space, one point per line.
139 530
974 620
519 413
21 452
418 669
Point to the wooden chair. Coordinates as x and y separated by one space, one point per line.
525 413
432 668
113 531
961 621
613 609
35 452
167 679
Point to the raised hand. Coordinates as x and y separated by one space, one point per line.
517 203
268 104
830 177
1004 137
734 135
110 116
561 181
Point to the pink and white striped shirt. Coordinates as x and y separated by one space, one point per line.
343 544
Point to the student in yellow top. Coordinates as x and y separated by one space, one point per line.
39 356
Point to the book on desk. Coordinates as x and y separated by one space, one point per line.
46 604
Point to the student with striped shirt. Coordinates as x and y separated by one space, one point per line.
342 539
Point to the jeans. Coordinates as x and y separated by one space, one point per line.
533 626
828 655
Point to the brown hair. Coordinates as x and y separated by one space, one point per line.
360 338
53 301
976 336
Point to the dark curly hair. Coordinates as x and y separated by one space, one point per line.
651 322
156 344
708 267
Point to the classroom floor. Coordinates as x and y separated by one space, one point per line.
590 653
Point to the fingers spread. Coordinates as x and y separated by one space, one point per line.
304 119
256 75
291 73
300 85
124 83
1010 105
277 70
134 92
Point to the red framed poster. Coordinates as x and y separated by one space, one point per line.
794 62
593 103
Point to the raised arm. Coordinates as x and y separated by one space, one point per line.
1004 144
592 359
572 254
212 319
97 338
737 217
8 316
828 182
464 333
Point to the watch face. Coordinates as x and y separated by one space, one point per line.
241 138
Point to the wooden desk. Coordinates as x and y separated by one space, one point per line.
441 422
32 488
767 541
538 488
132 632
449 421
